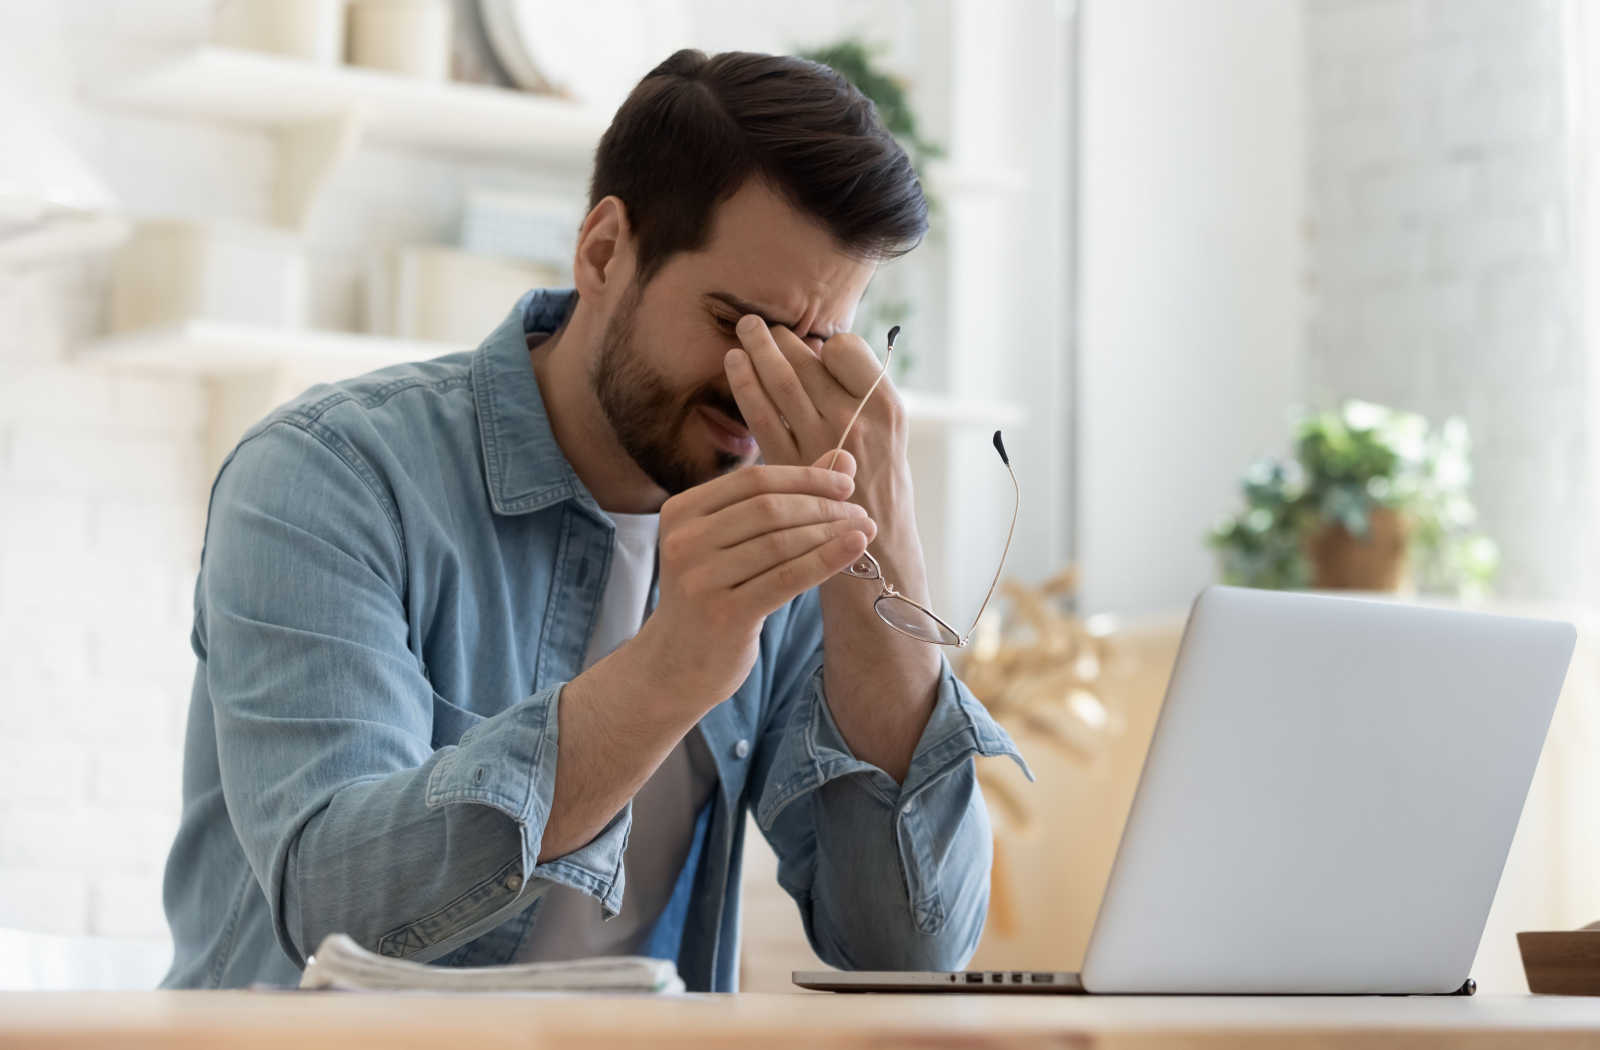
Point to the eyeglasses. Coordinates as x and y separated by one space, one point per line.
910 617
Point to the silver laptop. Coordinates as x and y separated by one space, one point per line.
1326 806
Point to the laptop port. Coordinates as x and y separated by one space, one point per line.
974 978
1042 978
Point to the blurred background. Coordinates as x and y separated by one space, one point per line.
1280 292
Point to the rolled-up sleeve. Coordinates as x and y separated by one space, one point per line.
887 875
351 820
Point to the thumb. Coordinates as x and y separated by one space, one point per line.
846 463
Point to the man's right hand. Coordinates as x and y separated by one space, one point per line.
734 550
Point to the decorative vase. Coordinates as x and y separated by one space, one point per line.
1378 561
312 30
408 37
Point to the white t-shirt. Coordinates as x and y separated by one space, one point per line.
568 923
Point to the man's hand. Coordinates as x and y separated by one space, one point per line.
735 549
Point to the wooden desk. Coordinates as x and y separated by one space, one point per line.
306 1021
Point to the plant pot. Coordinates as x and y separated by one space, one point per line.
1378 561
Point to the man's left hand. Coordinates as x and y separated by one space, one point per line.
797 401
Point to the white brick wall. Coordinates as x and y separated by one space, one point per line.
100 490
1442 251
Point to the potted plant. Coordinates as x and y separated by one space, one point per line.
1372 500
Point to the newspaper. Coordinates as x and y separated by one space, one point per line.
340 963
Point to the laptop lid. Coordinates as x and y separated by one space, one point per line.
1329 797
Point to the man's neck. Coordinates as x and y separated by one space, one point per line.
586 438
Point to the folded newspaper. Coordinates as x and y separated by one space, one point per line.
341 963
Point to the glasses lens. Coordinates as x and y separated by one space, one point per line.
865 568
911 619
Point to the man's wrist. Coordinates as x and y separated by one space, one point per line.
674 678
853 629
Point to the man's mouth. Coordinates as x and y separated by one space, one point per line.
730 416
728 432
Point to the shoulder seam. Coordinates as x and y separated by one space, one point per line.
375 398
322 435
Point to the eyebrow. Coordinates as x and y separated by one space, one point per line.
734 302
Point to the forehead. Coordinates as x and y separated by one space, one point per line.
766 253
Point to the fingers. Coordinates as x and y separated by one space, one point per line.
820 386
784 582
766 513
763 552
851 363
845 464
760 414
724 491
781 382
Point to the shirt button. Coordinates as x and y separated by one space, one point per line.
907 807
741 749
513 883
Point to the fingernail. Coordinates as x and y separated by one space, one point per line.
857 510
749 323
732 357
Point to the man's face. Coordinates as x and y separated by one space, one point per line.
658 375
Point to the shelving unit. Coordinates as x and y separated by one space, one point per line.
322 113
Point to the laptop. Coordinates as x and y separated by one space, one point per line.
1326 806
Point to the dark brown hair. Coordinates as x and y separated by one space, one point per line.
696 128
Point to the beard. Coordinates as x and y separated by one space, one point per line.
647 416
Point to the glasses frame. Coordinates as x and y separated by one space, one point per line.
866 567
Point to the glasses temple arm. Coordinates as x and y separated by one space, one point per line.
1015 507
881 373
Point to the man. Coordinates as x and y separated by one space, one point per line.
448 698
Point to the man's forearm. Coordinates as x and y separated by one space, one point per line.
881 684
617 722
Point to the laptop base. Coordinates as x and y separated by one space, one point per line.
987 982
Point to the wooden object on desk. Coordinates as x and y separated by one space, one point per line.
316 1020
1562 962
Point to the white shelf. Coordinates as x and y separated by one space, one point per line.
79 234
321 115
269 91
221 350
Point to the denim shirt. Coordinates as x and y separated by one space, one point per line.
400 572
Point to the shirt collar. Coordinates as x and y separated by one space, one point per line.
525 468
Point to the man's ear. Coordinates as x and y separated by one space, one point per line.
605 254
